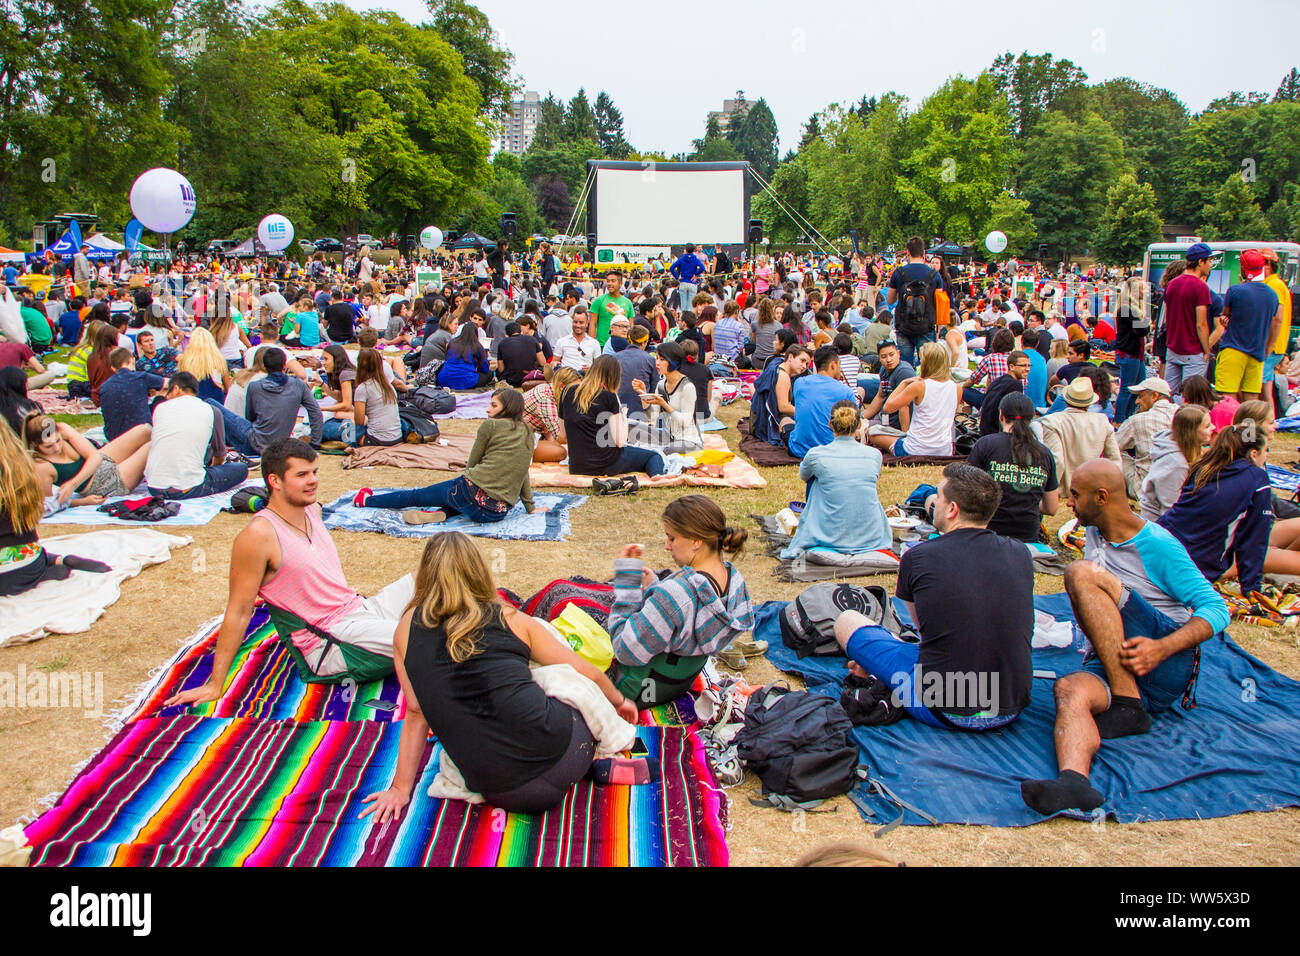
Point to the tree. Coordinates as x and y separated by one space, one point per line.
550 131
1067 171
790 183
959 156
1130 223
568 161
1010 215
505 193
1236 100
554 201
1289 89
753 133
468 31
580 120
1232 214
1033 85
714 147
811 130
609 128
1149 121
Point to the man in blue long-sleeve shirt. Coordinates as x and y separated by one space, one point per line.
686 270
1146 609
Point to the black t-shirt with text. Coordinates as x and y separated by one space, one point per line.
973 591
1022 486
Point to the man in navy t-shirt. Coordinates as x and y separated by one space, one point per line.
1250 321
814 395
124 396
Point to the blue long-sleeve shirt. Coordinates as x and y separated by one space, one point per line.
1227 520
687 268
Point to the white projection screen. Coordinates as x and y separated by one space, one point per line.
668 204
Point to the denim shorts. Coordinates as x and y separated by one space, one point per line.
1175 677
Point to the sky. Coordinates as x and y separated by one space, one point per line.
668 63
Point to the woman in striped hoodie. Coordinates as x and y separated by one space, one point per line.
664 630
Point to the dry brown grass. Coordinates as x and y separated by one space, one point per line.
166 604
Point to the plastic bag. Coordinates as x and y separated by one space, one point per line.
585 637
11 317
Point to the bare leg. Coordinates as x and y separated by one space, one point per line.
1285 534
128 443
885 443
131 468
1095 595
1282 561
549 451
1079 698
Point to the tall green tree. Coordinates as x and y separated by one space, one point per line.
790 184
1066 174
1130 222
754 135
568 161
1284 215
1289 89
1232 215
550 130
486 62
505 192
1236 100
715 147
580 120
1033 84
1009 214
609 128
1150 121
959 156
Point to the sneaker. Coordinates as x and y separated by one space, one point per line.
626 485
359 499
423 517
750 648
233 457
732 657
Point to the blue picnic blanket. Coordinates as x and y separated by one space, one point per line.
518 524
1237 750
1290 423
194 511
1282 479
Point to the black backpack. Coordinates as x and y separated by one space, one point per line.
799 745
417 426
432 400
723 263
913 316
247 501
808 622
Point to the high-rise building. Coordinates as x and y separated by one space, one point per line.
520 124
729 109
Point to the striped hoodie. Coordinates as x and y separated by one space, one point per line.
682 614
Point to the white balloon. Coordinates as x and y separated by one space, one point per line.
163 200
276 232
431 237
995 241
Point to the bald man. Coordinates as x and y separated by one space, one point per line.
1146 609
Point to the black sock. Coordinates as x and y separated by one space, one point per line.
1070 790
624 770
77 563
1124 717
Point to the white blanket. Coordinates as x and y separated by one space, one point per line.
72 605
613 734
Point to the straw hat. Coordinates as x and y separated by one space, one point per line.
1079 393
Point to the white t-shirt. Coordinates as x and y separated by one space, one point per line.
376 319
182 429
230 349
577 355
383 421
251 352
237 397
1058 332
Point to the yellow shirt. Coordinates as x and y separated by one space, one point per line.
1283 296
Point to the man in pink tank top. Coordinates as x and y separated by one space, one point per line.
286 557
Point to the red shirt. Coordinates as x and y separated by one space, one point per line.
15 353
1182 296
1104 331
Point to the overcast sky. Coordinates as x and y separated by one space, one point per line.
667 63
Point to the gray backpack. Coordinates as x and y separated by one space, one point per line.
808 622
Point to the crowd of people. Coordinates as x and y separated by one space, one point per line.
1154 434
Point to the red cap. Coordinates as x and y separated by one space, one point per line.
1252 263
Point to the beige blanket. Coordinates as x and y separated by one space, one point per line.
452 456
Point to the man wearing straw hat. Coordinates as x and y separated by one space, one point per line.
1077 435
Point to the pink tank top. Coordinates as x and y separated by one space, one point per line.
309 582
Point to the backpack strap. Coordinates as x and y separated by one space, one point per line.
779 801
870 787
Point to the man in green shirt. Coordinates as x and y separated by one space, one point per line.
39 333
604 307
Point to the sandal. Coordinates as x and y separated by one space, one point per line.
625 485
723 760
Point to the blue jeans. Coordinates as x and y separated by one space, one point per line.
1131 371
871 388
973 397
239 430
632 458
342 429
896 662
456 496
1174 677
910 345
216 479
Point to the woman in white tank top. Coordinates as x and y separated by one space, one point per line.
933 397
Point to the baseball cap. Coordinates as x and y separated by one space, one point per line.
1198 251
1269 254
1152 384
1252 263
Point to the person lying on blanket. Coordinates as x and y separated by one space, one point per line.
970 593
286 557
462 657
663 631
23 562
495 476
1146 609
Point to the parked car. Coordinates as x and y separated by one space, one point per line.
366 239
328 245
306 245
219 247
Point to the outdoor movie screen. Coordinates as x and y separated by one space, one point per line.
666 204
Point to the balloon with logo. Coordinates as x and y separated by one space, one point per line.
163 200
276 232
995 241
431 237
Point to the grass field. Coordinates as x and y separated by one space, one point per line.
168 603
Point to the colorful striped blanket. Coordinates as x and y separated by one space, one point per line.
274 773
